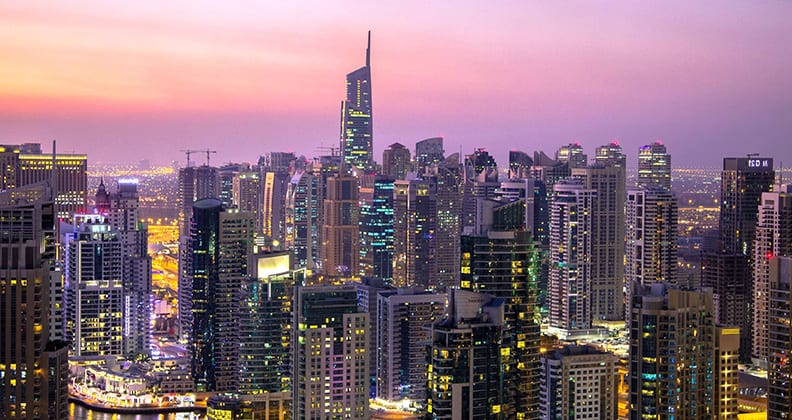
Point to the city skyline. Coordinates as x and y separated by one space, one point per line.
124 80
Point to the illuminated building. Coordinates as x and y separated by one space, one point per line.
396 161
301 220
376 227
779 369
504 264
94 288
341 231
480 182
401 356
607 177
265 324
429 152
466 360
278 162
33 378
570 252
579 382
654 167
519 164
246 195
447 180
548 170
727 371
273 205
330 377
266 406
675 351
773 238
225 182
71 179
357 146
651 252
572 154
124 218
220 245
414 230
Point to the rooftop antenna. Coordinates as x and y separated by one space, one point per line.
368 51
54 174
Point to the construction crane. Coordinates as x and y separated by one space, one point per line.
188 152
208 151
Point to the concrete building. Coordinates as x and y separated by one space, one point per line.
340 249
396 161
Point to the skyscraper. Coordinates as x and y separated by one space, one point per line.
33 371
220 245
572 154
357 146
246 195
273 204
414 230
779 369
519 165
429 152
341 230
301 220
330 376
773 238
654 167
94 288
376 227
396 161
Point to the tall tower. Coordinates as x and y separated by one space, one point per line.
219 248
357 145
246 195
331 354
341 232
33 370
654 167
779 370
414 229
572 154
773 238
70 176
428 152
301 220
396 161
376 227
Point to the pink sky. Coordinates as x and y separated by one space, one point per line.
127 80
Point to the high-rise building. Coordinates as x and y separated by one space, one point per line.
429 152
779 370
94 288
414 230
726 367
504 265
401 334
579 382
651 251
654 167
124 218
570 258
246 195
376 227
220 245
71 179
674 330
341 230
273 205
519 165
773 238
448 186
265 324
330 377
467 360
301 220
572 154
225 181
396 161
480 182
357 145
33 371
607 177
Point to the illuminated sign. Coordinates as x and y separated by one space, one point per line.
272 264
758 163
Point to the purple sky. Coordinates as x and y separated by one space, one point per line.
123 81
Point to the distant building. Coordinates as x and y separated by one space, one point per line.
396 161
429 152
654 167
579 382
246 195
376 226
572 154
519 165
340 249
357 139
414 234
301 220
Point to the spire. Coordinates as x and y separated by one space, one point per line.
368 51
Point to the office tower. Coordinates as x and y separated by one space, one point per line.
414 228
401 337
330 376
368 291
278 162
651 251
33 371
466 359
246 195
357 145
504 264
572 154
519 164
341 231
396 161
674 330
376 227
429 152
447 179
726 367
773 238
743 181
480 182
94 289
579 382
265 324
70 175
273 205
548 170
323 168
301 220
654 167
124 218
220 244
225 181
607 177
779 370
570 285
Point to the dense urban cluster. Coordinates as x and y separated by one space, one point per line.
426 286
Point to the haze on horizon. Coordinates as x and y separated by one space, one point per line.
133 80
